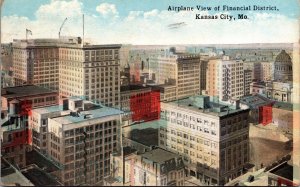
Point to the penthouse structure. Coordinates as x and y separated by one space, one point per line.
80 137
212 137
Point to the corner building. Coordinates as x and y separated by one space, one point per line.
212 137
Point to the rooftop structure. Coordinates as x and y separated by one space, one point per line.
39 177
159 155
24 91
10 176
208 105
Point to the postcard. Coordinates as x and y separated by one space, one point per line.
150 93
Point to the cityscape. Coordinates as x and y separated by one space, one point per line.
76 112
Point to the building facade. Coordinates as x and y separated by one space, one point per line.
247 81
91 72
182 70
212 77
158 167
231 79
283 67
212 138
36 62
80 140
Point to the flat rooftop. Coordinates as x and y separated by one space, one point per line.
50 109
33 157
133 87
93 114
214 108
159 155
284 170
255 100
26 90
12 177
283 105
39 177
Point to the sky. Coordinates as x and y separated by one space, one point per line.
147 21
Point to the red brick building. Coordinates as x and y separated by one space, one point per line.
145 106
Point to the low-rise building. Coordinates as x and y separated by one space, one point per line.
158 167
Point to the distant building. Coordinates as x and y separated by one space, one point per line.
283 67
212 137
67 66
258 88
279 91
247 81
203 71
181 70
267 71
212 77
231 79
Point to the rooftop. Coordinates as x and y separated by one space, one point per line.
207 105
11 176
98 113
33 157
255 100
284 170
283 105
39 177
128 150
133 87
159 155
24 91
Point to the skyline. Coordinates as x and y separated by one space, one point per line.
139 23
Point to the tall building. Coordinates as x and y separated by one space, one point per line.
212 137
212 77
80 138
65 65
231 79
203 71
91 71
267 71
283 67
182 70
247 81
36 62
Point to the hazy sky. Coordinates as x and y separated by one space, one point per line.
146 21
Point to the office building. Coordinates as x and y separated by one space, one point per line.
91 71
231 79
67 66
212 77
182 70
212 137
80 137
247 81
